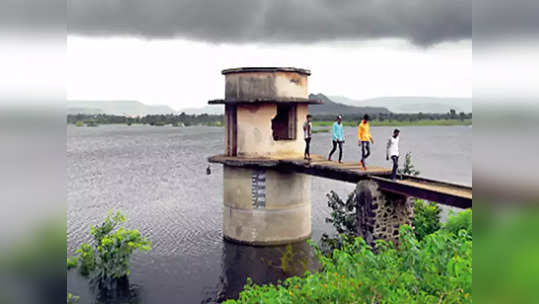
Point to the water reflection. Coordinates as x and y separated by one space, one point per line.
116 291
264 265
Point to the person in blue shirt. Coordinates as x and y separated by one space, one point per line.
338 138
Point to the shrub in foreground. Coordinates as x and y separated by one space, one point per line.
426 218
459 221
106 259
437 269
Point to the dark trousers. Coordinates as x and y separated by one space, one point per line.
307 146
395 160
365 150
335 147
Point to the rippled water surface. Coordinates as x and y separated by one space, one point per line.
157 177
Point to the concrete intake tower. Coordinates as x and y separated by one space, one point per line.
264 113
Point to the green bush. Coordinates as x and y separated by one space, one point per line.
459 221
107 258
343 217
437 269
426 218
343 214
432 264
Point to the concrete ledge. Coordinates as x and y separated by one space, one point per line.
268 100
266 244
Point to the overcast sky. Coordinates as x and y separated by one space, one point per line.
171 52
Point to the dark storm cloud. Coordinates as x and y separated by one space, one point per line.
423 22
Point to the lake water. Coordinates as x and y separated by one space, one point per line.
157 177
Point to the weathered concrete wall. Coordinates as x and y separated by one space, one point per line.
266 86
255 136
380 214
285 217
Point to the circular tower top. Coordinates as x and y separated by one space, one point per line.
266 85
266 69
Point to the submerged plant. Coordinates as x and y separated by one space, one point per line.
106 259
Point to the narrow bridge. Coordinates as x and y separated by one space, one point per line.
436 191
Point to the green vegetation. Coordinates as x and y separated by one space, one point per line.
343 217
382 119
397 123
79 124
106 260
152 120
426 219
437 269
30 261
91 123
399 119
293 261
432 264
460 221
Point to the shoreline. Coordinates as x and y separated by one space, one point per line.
420 123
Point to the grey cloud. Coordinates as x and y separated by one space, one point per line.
503 21
33 15
423 22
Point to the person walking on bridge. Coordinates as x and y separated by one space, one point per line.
363 137
392 151
337 138
308 132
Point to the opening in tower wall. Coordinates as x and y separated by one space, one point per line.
283 124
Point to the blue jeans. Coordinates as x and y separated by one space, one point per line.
334 148
365 150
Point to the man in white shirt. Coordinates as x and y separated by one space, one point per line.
392 151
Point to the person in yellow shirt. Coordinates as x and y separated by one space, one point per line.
363 137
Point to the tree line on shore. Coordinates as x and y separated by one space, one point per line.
218 120
400 117
153 120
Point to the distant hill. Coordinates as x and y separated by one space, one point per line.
412 104
77 110
116 107
212 109
329 107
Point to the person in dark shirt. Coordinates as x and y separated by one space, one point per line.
308 132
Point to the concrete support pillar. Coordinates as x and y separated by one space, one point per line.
380 214
266 207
